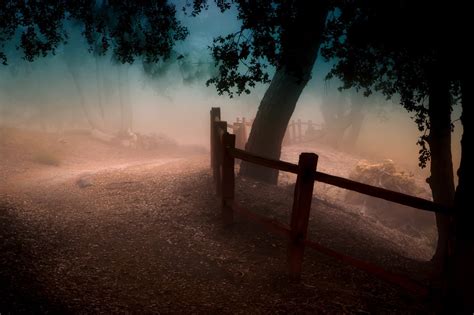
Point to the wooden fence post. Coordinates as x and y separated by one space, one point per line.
293 132
228 178
244 131
215 116
238 135
286 138
299 131
300 214
309 131
221 128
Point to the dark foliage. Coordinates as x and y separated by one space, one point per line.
396 47
263 42
131 29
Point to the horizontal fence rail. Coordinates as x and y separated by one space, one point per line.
260 160
388 276
296 132
270 225
374 191
223 155
382 193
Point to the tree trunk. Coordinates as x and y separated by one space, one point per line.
80 93
98 75
357 120
301 44
461 262
441 180
126 113
270 124
357 116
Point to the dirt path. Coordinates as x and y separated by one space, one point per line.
52 176
114 230
146 237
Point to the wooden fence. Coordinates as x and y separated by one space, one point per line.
223 155
297 131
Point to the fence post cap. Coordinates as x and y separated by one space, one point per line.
308 155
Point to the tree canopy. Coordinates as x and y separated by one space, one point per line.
265 41
130 29
396 48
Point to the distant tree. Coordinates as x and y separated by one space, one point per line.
396 47
144 30
343 116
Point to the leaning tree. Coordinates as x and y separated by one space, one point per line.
279 35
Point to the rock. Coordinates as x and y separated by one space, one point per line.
84 182
386 175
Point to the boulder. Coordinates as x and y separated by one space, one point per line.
387 175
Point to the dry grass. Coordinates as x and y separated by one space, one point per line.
46 158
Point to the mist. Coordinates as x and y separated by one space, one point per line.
42 95
173 99
123 191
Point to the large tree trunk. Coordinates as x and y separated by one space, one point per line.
301 44
441 180
461 263
270 123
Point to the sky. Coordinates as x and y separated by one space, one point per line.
46 91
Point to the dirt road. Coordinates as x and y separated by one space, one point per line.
145 236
